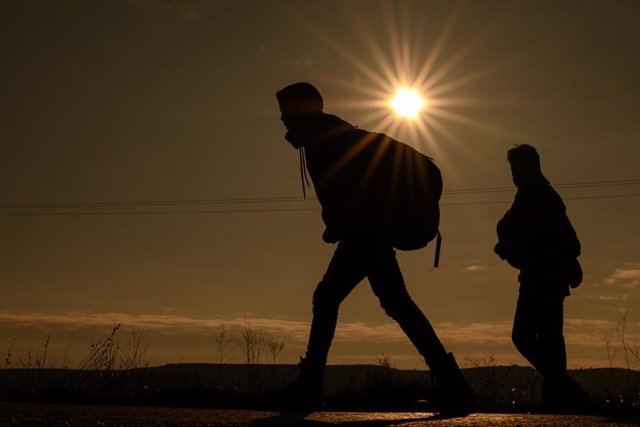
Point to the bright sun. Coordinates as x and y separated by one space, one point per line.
407 103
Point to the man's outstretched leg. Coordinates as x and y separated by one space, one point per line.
345 271
537 334
451 392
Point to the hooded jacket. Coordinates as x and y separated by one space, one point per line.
536 236
371 186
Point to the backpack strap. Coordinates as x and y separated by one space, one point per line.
303 172
436 261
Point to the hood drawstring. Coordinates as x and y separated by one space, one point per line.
303 172
436 260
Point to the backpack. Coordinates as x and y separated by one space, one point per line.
404 186
568 242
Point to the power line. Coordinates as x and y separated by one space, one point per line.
106 213
254 200
152 203
587 184
223 211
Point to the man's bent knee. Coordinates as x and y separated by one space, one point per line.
397 305
324 301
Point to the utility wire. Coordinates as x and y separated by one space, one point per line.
221 211
153 203
588 184
254 200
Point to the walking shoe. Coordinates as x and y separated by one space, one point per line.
302 394
563 395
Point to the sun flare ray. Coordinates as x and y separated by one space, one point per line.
408 83
438 47
359 64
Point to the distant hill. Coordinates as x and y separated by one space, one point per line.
498 388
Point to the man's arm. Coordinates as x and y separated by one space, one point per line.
506 248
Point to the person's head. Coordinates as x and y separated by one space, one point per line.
300 103
525 164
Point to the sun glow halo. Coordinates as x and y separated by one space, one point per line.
407 103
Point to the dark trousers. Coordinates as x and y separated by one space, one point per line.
537 333
351 263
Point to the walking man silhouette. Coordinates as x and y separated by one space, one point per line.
536 237
361 253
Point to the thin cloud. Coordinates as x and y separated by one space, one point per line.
476 268
582 332
475 333
151 322
291 329
622 274
617 297
592 324
592 332
624 278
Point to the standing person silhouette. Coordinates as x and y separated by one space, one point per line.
326 146
536 237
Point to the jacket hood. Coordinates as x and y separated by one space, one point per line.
325 127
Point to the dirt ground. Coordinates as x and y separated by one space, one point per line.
23 414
